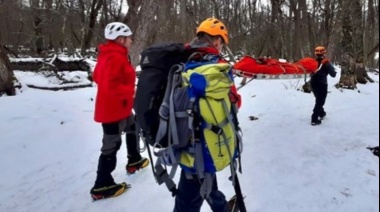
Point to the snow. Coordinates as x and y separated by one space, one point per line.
49 146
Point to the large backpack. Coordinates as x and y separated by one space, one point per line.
155 63
198 127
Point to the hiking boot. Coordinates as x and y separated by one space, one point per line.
132 167
108 191
322 115
316 122
232 205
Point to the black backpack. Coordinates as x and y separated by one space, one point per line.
156 62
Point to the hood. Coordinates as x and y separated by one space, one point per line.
202 47
112 47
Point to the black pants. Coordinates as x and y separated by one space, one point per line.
188 197
320 93
111 144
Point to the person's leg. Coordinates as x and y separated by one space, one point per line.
217 200
323 91
188 198
132 140
318 105
107 159
135 161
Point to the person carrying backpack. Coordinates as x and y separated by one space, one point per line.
319 85
212 35
115 78
186 108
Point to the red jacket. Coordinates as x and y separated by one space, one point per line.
115 78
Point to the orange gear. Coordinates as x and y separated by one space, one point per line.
214 27
324 61
320 50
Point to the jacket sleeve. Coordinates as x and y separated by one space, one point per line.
121 79
331 70
95 75
235 96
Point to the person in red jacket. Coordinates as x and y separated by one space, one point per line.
115 78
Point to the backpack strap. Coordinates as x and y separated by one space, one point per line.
173 114
163 111
206 187
169 131
217 129
162 176
232 165
238 133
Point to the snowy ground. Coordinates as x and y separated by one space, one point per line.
49 147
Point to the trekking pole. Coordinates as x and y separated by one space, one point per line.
244 82
241 86
140 131
239 195
150 156
229 52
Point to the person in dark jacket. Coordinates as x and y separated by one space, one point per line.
319 84
115 78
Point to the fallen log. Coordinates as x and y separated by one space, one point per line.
36 64
58 88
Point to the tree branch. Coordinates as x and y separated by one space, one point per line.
374 50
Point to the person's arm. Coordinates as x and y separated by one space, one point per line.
235 97
117 78
95 75
331 70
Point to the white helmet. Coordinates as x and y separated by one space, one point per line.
116 29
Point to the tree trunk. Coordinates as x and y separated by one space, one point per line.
37 21
351 43
370 35
89 25
362 75
6 74
60 65
348 77
132 17
273 48
141 35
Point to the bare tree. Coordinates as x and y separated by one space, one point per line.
348 78
279 28
143 31
37 20
298 8
132 17
274 44
6 74
371 45
89 18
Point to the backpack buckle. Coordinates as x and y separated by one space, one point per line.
190 112
217 130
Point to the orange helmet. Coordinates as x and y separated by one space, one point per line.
320 50
214 27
